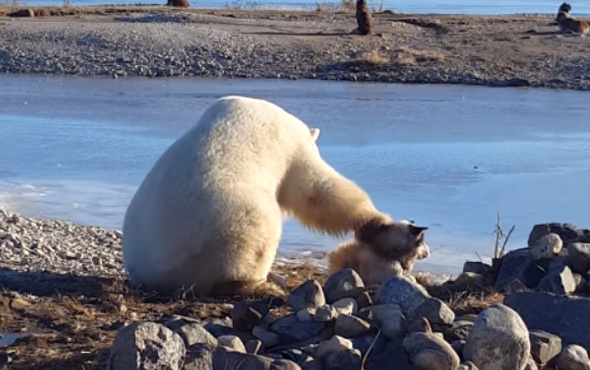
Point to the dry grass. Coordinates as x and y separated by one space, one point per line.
411 57
342 6
77 318
374 57
465 302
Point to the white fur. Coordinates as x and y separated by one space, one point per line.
210 210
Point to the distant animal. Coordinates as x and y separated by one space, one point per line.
207 218
363 18
568 24
178 3
565 8
378 258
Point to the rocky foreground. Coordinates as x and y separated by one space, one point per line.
159 41
65 304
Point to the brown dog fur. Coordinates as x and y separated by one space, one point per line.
568 24
381 250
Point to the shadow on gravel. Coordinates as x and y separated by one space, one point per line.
46 284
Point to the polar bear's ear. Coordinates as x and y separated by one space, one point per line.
315 133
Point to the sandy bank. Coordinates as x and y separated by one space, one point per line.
159 41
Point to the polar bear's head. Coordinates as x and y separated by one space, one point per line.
395 240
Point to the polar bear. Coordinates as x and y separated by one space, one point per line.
208 215
377 259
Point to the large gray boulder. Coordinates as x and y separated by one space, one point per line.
345 283
559 279
573 357
566 317
499 340
401 291
147 346
546 246
544 346
567 232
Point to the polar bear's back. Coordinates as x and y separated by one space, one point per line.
220 176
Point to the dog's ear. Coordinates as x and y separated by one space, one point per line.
416 230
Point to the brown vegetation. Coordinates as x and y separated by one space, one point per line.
69 322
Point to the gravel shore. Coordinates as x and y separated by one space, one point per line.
158 41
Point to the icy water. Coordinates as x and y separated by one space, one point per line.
448 157
405 6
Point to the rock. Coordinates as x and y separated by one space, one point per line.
467 366
176 321
22 13
435 311
254 346
233 342
544 346
343 284
567 232
578 257
305 361
307 295
530 364
269 339
306 314
335 344
194 333
290 329
419 325
573 357
349 326
345 360
475 267
402 291
392 357
326 313
499 340
247 314
458 345
346 306
546 246
468 317
202 357
217 329
147 346
364 300
580 282
559 279
363 342
429 352
459 330
559 315
389 317
469 281
519 265
338 353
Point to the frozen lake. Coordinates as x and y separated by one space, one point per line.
448 157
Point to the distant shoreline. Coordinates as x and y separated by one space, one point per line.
153 41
